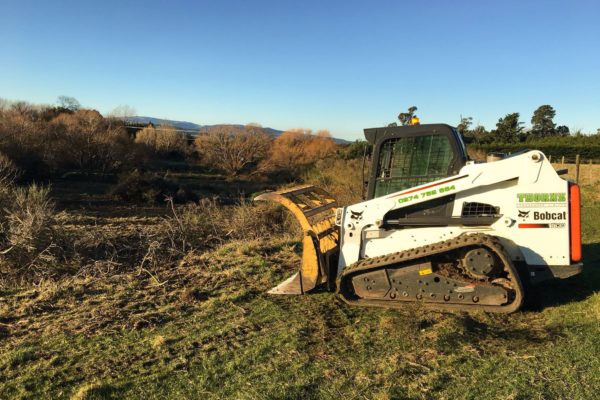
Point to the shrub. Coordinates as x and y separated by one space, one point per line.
357 149
341 178
8 171
42 141
206 224
30 218
140 187
165 140
298 148
32 238
194 226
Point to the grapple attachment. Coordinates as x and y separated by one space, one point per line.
314 209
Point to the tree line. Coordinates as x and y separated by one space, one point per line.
509 129
510 134
45 141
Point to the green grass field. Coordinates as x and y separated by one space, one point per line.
205 329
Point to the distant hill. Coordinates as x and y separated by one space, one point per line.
193 128
268 131
183 125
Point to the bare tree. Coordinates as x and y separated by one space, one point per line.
323 133
70 103
22 108
232 149
4 104
86 140
122 112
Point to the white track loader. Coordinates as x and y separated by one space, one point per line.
438 228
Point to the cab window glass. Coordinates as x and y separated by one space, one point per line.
411 161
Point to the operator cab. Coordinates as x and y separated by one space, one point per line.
409 156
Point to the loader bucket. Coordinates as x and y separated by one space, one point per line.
314 209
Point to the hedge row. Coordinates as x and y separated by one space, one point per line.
554 150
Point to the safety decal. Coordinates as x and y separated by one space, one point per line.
425 271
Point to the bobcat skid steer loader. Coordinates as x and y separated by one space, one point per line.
437 228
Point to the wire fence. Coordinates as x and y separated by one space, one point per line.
582 171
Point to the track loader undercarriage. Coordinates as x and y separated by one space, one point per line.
468 272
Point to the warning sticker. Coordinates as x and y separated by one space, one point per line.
425 271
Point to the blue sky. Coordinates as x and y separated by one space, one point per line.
337 65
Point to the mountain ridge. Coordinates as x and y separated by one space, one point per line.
193 127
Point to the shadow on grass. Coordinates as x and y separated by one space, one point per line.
468 329
472 330
100 391
577 288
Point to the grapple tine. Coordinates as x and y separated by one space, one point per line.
320 237
292 285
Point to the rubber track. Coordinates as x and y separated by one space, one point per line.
344 284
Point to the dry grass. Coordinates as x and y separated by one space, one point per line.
202 225
41 244
134 300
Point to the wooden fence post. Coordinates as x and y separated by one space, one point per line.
562 161
590 173
577 162
550 159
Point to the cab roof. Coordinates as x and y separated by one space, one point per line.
375 135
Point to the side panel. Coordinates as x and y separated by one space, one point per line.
532 200
534 225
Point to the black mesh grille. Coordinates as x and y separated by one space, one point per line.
479 210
